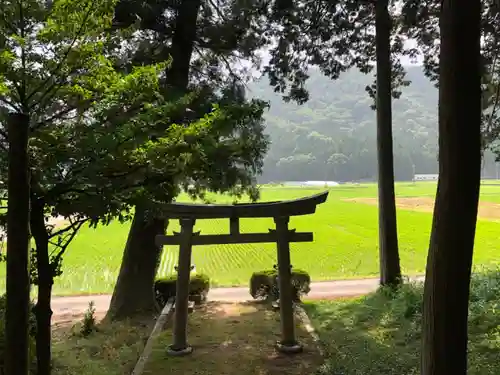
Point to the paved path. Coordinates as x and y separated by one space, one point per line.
321 290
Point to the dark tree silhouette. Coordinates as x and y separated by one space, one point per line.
452 240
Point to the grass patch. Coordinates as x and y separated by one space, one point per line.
227 338
112 350
345 242
380 333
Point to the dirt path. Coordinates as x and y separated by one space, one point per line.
57 222
486 210
71 307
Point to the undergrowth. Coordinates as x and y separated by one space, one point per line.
89 321
113 349
381 333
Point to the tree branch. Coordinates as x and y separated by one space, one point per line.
63 248
67 187
68 228
218 11
56 116
8 102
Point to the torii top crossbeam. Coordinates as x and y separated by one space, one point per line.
295 207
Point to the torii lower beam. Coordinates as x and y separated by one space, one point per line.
227 239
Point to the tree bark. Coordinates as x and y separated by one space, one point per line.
45 281
449 262
18 237
142 233
183 45
390 270
134 294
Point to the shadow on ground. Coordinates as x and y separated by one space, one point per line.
228 339
111 350
235 338
381 333
373 335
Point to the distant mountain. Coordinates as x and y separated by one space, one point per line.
333 135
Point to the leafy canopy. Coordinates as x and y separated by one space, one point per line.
102 139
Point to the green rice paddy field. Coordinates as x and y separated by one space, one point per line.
345 240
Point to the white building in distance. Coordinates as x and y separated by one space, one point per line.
425 177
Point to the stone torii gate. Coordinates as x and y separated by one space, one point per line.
188 213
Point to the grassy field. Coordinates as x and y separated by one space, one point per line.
345 243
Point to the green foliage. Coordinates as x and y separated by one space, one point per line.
420 22
165 288
227 33
325 37
263 284
89 321
32 330
311 33
46 46
104 139
387 324
333 135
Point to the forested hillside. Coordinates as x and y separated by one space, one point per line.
332 136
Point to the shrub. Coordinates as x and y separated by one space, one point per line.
165 288
89 321
32 331
263 284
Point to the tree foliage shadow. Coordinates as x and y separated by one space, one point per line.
236 338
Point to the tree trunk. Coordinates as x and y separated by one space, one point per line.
134 294
142 233
183 45
390 271
18 280
449 261
45 281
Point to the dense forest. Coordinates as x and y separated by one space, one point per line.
333 135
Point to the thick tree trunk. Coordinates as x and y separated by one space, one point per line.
45 280
183 45
18 280
134 294
143 232
390 271
449 261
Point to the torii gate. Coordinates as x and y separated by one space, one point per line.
187 213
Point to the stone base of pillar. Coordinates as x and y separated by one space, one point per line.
289 349
179 352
